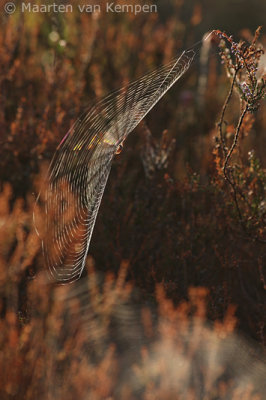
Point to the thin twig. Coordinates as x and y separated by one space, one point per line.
225 167
229 154
220 123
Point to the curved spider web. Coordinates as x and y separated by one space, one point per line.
80 168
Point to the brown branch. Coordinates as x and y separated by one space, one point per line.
220 123
225 167
229 154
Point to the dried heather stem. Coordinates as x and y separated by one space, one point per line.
220 123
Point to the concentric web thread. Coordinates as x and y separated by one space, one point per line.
78 173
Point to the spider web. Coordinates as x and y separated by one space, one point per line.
79 170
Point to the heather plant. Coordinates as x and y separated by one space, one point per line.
241 62
90 340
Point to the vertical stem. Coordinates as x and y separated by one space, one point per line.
220 123
229 154
228 157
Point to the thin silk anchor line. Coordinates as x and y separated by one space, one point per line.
79 170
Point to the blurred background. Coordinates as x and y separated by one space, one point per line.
172 223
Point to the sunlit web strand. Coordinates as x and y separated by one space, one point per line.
78 173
